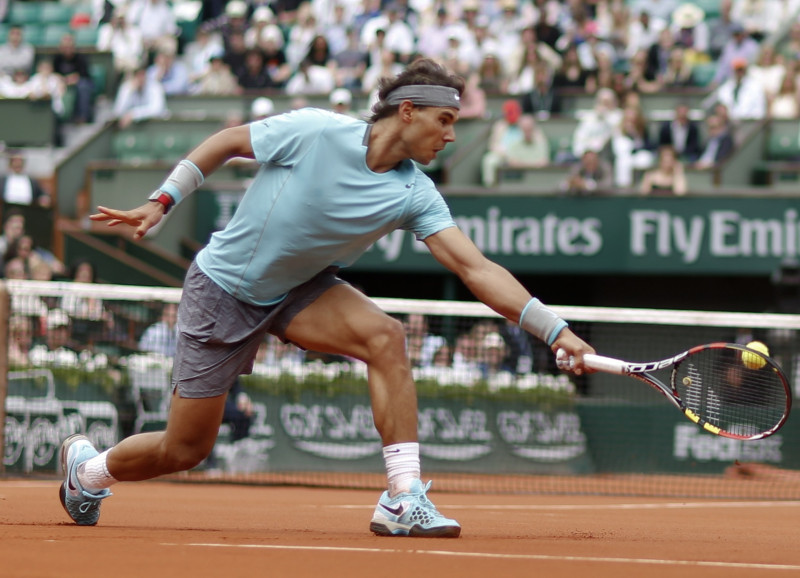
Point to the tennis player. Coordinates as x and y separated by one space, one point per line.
328 187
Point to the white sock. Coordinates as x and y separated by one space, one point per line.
93 474
402 466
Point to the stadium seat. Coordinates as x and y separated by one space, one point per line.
3 33
55 13
24 13
33 34
132 147
86 37
53 33
170 148
782 147
99 75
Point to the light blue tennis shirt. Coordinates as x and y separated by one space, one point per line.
314 203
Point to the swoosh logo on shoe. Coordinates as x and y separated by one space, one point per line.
396 511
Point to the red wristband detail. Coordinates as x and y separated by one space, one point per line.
165 200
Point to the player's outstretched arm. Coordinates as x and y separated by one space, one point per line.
184 179
500 290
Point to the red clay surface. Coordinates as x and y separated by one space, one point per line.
155 529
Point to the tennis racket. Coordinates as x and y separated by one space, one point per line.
714 386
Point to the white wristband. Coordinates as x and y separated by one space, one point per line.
183 180
541 321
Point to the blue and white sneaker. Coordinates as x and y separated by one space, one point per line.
83 507
412 514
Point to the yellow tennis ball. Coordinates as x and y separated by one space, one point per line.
752 360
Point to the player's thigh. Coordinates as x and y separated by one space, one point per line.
194 422
345 321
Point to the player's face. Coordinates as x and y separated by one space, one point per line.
430 131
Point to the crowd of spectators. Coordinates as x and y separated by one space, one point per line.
530 51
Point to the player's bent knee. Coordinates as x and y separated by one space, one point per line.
388 339
186 457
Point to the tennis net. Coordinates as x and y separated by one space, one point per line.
495 414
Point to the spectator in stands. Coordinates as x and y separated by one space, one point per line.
59 348
493 79
161 337
433 34
742 94
679 70
691 32
311 79
631 147
300 36
400 37
155 20
572 74
719 144
768 70
667 177
786 103
238 411
235 52
643 32
232 21
275 58
458 56
421 344
761 18
90 318
589 175
263 19
740 46
351 62
197 54
493 351
519 348
597 126
74 69
341 101
16 85
218 79
473 99
658 55
336 27
22 249
636 79
19 188
542 100
15 53
45 84
319 53
123 40
385 67
20 340
254 74
13 229
169 71
504 131
682 133
532 149
139 98
661 9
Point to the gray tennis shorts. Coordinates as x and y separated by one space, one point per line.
219 335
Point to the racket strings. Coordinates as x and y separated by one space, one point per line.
741 399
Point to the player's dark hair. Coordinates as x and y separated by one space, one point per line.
422 71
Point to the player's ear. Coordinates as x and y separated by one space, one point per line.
406 111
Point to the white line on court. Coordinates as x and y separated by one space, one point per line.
489 555
644 506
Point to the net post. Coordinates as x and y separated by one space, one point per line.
5 309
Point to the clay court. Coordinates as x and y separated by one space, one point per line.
154 529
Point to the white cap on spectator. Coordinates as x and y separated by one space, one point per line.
341 96
263 14
57 318
236 9
262 106
493 340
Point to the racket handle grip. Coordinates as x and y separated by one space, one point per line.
591 361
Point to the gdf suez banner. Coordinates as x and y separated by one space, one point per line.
37 422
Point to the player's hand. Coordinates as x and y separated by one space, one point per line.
575 347
141 218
